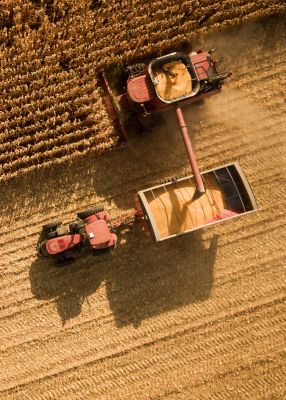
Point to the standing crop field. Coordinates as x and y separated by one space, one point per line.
200 317
51 107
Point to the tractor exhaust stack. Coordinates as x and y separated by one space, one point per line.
189 148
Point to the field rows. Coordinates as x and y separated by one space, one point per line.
166 357
201 316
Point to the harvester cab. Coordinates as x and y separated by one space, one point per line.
175 77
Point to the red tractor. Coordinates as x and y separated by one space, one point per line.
91 231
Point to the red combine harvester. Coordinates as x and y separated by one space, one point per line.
166 82
91 231
193 202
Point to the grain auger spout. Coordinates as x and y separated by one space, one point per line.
189 148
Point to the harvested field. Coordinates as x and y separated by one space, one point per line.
198 317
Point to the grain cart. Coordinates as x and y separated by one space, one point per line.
91 231
175 207
193 202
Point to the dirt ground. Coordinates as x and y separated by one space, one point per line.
197 317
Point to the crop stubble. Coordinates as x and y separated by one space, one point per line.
199 317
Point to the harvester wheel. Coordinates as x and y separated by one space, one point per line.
135 69
220 77
51 226
91 211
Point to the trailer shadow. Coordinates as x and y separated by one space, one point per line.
160 277
142 279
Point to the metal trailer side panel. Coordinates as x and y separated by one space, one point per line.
148 214
246 186
150 217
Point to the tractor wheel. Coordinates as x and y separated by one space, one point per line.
100 252
39 249
52 235
91 211
105 250
99 208
75 227
51 226
65 258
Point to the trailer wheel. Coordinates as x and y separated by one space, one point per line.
51 226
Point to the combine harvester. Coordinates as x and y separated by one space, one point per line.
196 201
175 207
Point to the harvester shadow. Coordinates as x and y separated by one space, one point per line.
142 279
115 176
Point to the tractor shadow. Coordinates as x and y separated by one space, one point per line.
142 279
69 285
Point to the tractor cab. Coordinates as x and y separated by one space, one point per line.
91 231
98 232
